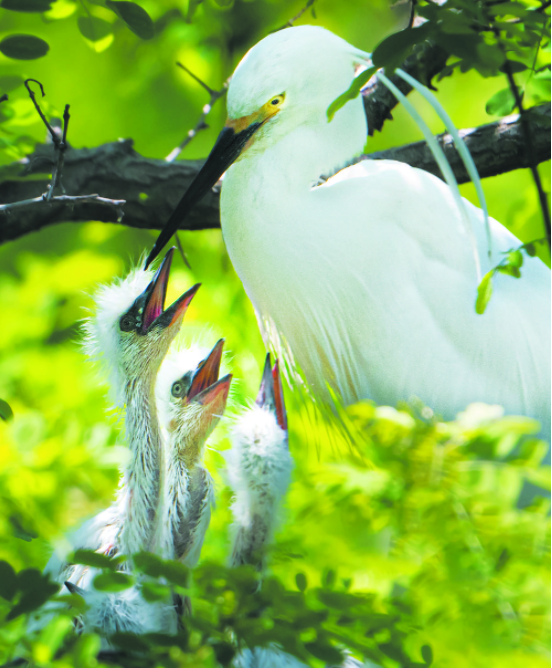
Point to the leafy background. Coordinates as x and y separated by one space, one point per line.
409 548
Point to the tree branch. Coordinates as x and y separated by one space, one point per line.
152 188
496 147
426 61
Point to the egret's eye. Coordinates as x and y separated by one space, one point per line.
127 323
277 100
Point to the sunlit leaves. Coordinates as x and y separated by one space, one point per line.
23 47
136 17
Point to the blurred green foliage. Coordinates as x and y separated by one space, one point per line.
408 549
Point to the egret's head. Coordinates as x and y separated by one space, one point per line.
290 78
191 398
131 330
286 81
259 460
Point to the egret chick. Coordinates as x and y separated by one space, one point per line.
259 469
130 335
191 400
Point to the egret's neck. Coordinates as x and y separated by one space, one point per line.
142 478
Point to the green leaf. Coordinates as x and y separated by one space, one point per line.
515 66
6 412
136 18
94 28
509 270
328 578
515 258
530 249
352 92
27 5
539 477
484 292
391 52
131 642
156 567
427 654
301 581
37 589
23 47
501 103
324 652
224 652
95 559
8 581
192 7
153 591
20 532
9 83
114 581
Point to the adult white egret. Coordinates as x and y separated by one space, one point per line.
369 279
191 400
259 468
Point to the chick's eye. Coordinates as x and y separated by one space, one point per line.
177 389
126 323
277 100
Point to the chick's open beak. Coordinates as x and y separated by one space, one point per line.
155 315
207 372
271 395
226 150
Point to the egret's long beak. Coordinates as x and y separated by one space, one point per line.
226 150
155 315
207 373
271 393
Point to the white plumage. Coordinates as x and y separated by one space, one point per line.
369 280
190 403
370 277
129 334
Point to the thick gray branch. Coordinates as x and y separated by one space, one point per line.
496 148
152 188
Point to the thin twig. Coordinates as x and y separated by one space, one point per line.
64 199
60 149
412 13
181 250
529 145
214 95
60 145
290 23
51 130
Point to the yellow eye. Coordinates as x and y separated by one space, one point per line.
276 101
